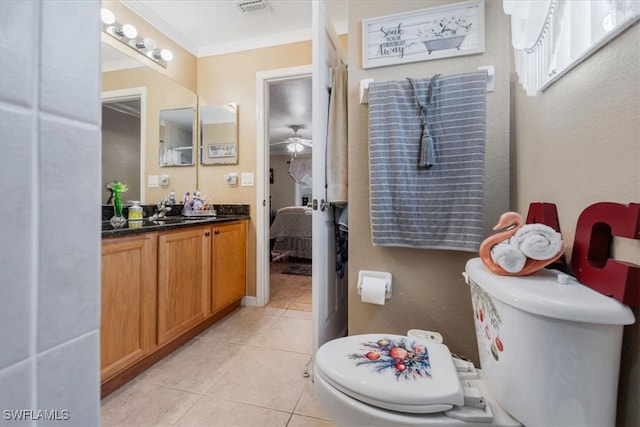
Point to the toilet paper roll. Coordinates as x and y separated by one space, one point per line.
373 290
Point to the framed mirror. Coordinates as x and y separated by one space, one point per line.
177 130
219 134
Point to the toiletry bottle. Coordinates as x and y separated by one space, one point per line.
135 211
185 203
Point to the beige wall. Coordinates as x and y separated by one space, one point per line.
283 189
428 289
578 143
232 78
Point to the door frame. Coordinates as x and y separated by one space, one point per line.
126 95
263 80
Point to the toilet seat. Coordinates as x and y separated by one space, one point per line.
394 372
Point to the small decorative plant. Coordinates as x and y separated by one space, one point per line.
445 27
117 188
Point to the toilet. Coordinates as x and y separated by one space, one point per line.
549 350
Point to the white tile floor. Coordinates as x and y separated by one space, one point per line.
246 370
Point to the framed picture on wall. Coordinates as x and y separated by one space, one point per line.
221 150
422 35
219 154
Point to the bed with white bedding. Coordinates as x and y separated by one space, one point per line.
291 233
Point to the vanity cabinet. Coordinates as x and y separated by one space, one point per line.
162 288
228 283
184 277
128 318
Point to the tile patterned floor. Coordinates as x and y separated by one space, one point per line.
246 370
288 290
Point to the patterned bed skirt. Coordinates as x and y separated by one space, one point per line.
285 247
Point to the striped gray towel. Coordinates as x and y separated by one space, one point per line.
441 207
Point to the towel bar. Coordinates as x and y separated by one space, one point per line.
364 83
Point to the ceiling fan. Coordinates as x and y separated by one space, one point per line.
294 143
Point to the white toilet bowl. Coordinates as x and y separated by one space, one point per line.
549 348
359 388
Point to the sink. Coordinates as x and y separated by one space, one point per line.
167 220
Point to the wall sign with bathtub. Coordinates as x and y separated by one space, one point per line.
422 35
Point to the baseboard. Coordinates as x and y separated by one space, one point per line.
250 301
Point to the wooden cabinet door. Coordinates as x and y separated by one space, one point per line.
229 263
127 328
184 291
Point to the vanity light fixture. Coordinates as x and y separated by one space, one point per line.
128 35
146 43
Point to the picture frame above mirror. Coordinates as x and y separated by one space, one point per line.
219 134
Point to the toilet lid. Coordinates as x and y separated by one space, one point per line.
394 372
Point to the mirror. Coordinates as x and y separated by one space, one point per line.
219 134
124 78
176 137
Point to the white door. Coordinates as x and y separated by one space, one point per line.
329 294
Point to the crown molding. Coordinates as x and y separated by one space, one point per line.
262 42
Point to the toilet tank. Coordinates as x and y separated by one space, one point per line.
550 352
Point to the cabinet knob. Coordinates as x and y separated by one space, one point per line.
217 232
207 234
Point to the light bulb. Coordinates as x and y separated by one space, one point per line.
166 55
107 16
295 147
129 31
146 43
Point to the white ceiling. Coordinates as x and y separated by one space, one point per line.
214 27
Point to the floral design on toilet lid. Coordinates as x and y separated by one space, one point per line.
406 359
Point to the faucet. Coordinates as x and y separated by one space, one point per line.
161 211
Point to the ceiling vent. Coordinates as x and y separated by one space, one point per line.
251 7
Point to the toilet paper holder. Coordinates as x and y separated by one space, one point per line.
378 274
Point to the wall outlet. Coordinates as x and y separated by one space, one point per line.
232 179
152 181
164 180
247 179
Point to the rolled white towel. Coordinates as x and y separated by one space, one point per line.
538 241
508 256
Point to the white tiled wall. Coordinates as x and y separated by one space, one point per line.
49 210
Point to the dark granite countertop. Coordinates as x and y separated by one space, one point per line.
173 220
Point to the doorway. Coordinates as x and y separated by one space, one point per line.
123 136
265 80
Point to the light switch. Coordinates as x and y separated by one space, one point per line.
247 179
152 181
164 180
